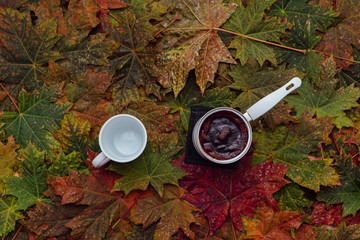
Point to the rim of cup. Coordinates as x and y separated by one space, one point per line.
132 157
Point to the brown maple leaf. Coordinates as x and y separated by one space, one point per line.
271 225
199 46
338 40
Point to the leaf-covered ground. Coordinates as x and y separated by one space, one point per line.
66 66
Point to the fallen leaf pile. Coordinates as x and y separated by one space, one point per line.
66 66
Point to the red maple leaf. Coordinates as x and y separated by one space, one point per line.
221 192
325 215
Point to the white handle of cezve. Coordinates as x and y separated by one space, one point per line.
269 101
100 160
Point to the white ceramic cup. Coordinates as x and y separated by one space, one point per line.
122 139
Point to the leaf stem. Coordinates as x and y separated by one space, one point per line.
7 93
333 138
227 79
233 230
17 232
175 19
345 59
128 210
303 51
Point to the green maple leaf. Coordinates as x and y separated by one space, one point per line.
191 96
292 147
151 209
9 214
255 83
64 162
38 116
7 158
291 198
74 135
303 36
249 20
327 101
134 61
151 168
348 192
155 118
24 51
28 188
192 42
302 11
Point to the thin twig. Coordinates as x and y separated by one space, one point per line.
7 93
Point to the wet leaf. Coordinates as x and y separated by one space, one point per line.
340 39
9 214
151 209
291 198
29 187
221 192
7 159
343 232
267 224
151 168
248 20
328 101
155 118
38 116
64 162
292 147
200 47
24 51
74 135
300 10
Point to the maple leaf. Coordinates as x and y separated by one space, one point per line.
267 224
24 50
340 39
63 162
48 220
152 167
352 74
9 214
351 232
255 83
190 96
134 60
328 101
300 10
28 188
249 20
291 198
155 118
292 147
199 47
348 192
151 209
219 192
38 115
74 135
305 232
325 215
7 158
103 206
303 37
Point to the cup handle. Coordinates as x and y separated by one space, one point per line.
269 101
100 160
